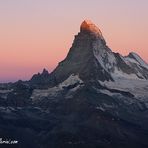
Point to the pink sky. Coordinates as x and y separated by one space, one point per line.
37 34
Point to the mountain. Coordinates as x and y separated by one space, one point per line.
92 59
93 98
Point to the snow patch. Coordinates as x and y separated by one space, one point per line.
72 79
100 108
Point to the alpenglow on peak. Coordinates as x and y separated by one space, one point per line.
89 26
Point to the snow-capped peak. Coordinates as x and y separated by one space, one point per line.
87 25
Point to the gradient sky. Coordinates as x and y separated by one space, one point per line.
37 34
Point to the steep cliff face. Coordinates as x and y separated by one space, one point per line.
81 59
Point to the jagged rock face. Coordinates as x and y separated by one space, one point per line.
42 80
81 60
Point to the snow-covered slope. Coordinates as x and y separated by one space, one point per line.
139 88
118 66
72 83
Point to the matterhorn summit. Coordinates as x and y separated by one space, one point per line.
89 26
